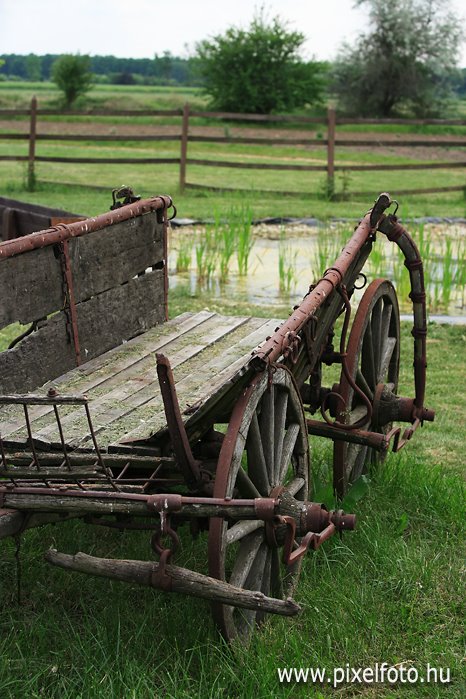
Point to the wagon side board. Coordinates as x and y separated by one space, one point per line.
104 288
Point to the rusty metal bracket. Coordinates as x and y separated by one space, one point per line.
69 304
159 578
310 540
190 467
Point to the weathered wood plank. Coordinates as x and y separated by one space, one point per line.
33 361
105 321
139 378
113 255
203 384
127 400
106 366
138 385
30 286
207 383
113 317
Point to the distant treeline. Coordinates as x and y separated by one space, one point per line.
164 69
160 70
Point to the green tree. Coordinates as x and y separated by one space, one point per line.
33 67
72 76
259 69
405 61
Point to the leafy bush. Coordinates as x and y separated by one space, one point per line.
259 70
72 76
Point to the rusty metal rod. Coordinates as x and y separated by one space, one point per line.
395 232
63 231
271 350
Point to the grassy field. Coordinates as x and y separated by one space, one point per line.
389 592
57 183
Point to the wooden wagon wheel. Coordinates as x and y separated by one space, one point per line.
266 445
373 357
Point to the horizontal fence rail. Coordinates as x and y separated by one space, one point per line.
330 123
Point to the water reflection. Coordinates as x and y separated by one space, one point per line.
285 261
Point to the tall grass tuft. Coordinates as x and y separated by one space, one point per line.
286 265
206 255
225 236
241 219
184 254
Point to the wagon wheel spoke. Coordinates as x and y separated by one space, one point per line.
295 485
357 414
387 354
253 581
266 446
241 529
267 428
288 444
246 486
266 580
363 385
372 358
256 457
376 326
279 430
276 575
368 359
246 556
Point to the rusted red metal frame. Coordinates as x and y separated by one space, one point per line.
395 232
65 231
333 277
189 466
70 306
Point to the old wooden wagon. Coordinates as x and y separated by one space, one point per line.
113 414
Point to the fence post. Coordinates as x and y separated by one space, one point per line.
331 122
31 178
184 146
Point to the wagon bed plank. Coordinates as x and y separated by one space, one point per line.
199 340
133 388
103 368
199 386
141 408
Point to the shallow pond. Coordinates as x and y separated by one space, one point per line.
284 260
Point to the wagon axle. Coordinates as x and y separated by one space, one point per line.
307 516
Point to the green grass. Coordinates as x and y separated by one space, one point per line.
389 592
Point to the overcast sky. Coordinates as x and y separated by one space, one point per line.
141 28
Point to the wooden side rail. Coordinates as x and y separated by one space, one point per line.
83 288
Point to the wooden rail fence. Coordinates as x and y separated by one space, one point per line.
184 137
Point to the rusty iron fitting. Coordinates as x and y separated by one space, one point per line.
291 343
264 508
156 540
159 578
342 521
169 502
314 517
